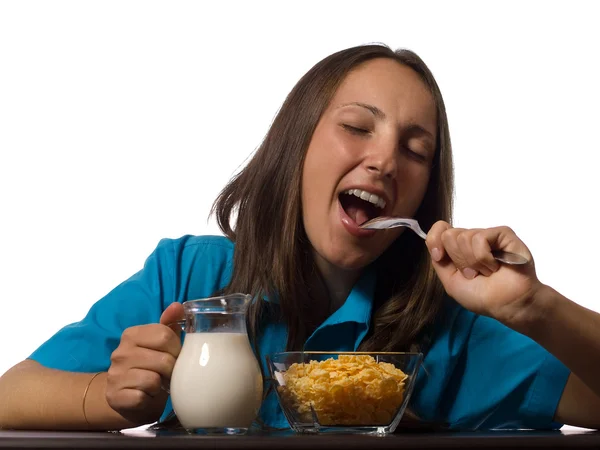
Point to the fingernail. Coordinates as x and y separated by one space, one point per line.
469 273
436 254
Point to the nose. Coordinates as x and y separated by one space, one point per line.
382 159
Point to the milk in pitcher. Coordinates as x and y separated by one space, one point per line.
216 382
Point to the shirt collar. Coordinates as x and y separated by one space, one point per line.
358 306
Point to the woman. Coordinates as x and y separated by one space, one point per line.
363 133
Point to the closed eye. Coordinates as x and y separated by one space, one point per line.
415 155
355 130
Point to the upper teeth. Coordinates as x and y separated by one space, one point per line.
371 198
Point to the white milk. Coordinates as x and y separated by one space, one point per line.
216 382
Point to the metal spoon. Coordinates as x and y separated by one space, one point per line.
383 223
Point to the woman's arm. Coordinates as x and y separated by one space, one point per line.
129 394
514 296
572 334
35 397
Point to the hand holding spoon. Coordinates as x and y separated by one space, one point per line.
383 223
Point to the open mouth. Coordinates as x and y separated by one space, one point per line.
361 206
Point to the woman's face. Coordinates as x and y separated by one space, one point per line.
375 141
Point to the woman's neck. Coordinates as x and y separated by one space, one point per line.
333 283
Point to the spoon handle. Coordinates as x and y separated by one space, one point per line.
513 259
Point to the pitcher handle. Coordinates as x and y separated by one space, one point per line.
178 324
181 325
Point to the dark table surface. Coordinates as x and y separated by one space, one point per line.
146 439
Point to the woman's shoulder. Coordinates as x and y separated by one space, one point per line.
195 248
205 242
197 266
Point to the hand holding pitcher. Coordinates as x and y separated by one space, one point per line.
141 365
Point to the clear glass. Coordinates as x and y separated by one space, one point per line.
216 386
351 397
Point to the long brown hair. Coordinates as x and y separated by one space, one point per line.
272 255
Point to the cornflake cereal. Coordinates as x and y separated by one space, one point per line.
350 390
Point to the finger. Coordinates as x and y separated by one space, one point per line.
444 266
482 253
452 240
434 240
144 359
483 241
128 399
172 314
457 244
153 336
473 259
146 381
472 250
504 238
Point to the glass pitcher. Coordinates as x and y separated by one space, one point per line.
216 385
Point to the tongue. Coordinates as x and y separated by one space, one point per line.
358 214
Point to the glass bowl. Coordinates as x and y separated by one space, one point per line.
346 392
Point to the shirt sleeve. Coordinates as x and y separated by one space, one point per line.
503 379
86 346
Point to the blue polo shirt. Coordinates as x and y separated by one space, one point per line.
477 373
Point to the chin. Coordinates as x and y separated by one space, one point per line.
351 261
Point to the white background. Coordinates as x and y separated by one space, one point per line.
120 121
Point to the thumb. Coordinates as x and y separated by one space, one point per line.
171 315
442 264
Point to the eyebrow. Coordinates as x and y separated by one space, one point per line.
379 114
